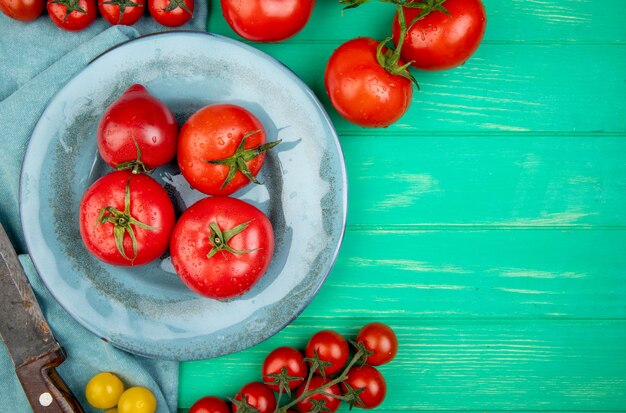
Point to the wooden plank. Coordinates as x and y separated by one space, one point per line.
543 21
461 365
503 181
477 274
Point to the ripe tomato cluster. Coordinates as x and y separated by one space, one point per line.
76 15
220 246
319 378
106 391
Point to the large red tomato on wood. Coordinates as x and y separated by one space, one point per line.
222 246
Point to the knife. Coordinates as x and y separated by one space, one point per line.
32 347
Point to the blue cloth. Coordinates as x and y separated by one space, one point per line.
36 61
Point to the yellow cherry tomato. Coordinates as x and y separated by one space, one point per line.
104 390
137 400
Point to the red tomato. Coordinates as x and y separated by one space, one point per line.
362 90
126 12
306 404
209 404
137 118
257 395
171 13
267 20
221 247
290 359
23 10
210 152
121 205
380 339
72 15
439 41
373 383
330 347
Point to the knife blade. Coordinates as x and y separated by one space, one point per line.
29 340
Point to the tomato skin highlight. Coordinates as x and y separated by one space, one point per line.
380 339
257 395
305 404
75 20
170 18
111 12
22 10
439 41
212 133
209 404
224 275
370 379
137 116
287 357
267 20
361 90
149 204
331 347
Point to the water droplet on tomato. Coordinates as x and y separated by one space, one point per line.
220 140
154 139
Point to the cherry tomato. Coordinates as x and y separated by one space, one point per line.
439 41
330 347
171 13
126 12
290 359
369 379
361 90
209 404
72 15
221 247
306 404
23 10
103 391
137 119
380 339
137 400
257 395
267 20
122 205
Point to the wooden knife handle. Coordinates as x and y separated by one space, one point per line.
45 389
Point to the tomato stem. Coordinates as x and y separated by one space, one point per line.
220 239
136 166
174 4
122 4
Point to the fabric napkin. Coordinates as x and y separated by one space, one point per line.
36 60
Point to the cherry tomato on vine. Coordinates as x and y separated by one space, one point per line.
369 379
126 219
171 13
331 347
306 404
380 339
290 359
72 15
209 404
442 41
23 10
257 395
221 149
126 12
103 390
137 400
221 247
137 131
267 20
361 89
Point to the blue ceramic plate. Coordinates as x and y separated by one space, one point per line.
148 310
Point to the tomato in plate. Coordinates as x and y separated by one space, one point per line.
307 404
23 10
267 20
137 131
126 12
72 15
171 13
289 359
209 404
371 381
361 89
380 339
221 149
441 41
330 347
221 247
256 395
126 219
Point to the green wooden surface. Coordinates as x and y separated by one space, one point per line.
488 226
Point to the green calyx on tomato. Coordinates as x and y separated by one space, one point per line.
174 4
353 396
283 380
317 364
389 58
237 162
122 220
136 166
122 4
70 6
219 239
